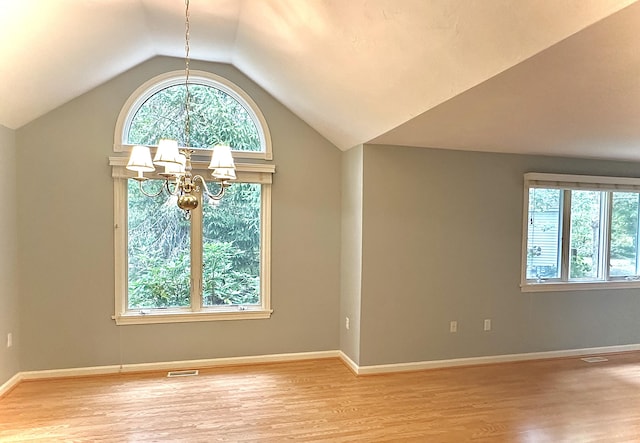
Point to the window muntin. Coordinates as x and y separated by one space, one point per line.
580 232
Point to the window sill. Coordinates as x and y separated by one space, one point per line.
154 317
578 286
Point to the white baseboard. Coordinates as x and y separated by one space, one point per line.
349 363
273 358
10 384
175 365
471 361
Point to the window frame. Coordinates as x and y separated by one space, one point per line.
568 183
253 169
173 78
247 173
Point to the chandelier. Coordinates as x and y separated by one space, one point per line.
178 177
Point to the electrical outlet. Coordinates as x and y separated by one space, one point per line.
9 340
487 324
346 322
453 326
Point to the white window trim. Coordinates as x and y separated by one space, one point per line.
149 88
250 173
573 182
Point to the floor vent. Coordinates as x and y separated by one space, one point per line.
189 373
594 359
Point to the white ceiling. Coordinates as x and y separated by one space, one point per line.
557 77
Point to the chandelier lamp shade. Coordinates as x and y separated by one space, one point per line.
177 173
178 177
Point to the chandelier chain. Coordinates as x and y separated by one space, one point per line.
187 103
178 176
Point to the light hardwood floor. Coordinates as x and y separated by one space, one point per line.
564 400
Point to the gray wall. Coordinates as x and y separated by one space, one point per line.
442 241
351 252
401 240
66 240
9 310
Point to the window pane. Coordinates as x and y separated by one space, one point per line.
159 244
624 234
231 247
216 118
586 210
544 233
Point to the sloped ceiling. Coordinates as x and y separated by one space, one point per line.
557 77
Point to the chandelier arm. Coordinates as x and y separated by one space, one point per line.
176 189
148 194
223 186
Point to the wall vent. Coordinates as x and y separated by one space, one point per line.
594 359
187 373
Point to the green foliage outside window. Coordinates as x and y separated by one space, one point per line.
586 219
159 245
215 118
159 250
586 210
231 248
624 233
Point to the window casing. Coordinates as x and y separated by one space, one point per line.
198 309
580 232
200 275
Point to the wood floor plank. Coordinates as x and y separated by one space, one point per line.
564 400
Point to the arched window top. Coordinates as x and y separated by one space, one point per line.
220 113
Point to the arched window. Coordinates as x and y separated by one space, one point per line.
217 264
220 113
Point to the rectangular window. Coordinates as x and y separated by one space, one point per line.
215 266
580 232
159 251
231 248
624 234
585 233
544 234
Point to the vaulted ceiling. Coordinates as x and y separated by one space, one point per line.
554 77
